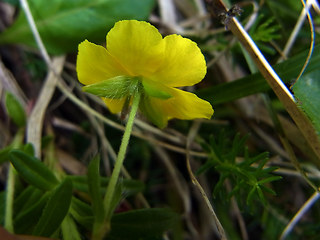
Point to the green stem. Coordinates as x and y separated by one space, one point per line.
8 223
101 229
8 220
122 151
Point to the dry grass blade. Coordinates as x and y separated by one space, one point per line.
9 83
37 115
306 206
296 29
35 121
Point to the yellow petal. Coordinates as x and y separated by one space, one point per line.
114 105
183 63
95 64
137 45
183 105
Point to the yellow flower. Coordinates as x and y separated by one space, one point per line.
136 53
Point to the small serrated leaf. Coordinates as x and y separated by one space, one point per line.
270 179
250 195
269 190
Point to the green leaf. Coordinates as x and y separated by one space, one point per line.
82 213
269 179
255 83
12 2
94 185
15 110
143 223
64 24
56 209
129 186
266 31
81 207
32 170
25 221
26 199
28 149
69 229
307 91
114 88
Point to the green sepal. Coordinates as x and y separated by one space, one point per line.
154 115
157 90
114 88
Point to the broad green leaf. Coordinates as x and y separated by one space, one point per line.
63 24
94 184
15 110
142 224
56 209
33 170
255 83
307 91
